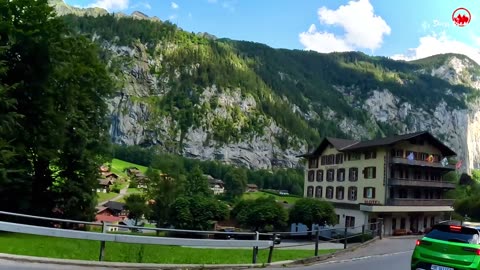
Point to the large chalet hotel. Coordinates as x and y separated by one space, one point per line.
399 179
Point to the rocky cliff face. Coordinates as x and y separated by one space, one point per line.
147 75
134 121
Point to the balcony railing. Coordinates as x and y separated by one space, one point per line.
420 202
420 183
421 163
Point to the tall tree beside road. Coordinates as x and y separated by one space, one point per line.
60 90
235 182
197 212
163 190
262 214
137 207
197 183
311 211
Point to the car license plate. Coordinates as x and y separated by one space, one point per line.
436 267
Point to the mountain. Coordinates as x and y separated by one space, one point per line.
248 104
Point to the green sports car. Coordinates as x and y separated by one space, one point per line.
448 247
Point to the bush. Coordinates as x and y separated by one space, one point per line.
115 188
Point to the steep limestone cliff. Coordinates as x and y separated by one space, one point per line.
251 105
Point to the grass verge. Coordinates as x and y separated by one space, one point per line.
42 246
258 194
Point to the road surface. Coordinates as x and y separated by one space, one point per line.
389 253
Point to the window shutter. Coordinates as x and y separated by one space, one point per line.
364 192
373 193
374 172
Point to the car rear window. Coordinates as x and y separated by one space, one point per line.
454 234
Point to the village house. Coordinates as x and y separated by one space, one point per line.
252 188
104 185
216 185
400 179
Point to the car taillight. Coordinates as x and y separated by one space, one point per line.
476 251
423 243
455 228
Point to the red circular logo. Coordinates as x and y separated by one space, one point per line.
461 17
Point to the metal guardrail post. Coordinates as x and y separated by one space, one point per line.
270 253
345 239
102 244
317 235
255 249
363 233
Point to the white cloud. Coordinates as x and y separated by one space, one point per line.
323 42
172 17
438 44
174 5
111 4
362 29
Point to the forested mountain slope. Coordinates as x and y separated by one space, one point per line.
249 104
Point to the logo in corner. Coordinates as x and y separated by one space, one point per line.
461 17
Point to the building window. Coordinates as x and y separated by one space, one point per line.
318 192
323 160
369 193
425 220
339 159
353 174
341 175
354 156
330 159
340 193
329 193
352 193
330 175
319 175
310 191
394 223
349 221
371 155
370 172
311 176
398 153
313 163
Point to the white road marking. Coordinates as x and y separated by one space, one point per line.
366 257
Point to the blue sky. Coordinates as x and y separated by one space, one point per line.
406 29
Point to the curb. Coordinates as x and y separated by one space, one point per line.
312 260
118 265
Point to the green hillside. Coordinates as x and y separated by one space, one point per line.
308 80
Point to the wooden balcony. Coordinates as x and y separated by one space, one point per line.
420 202
420 183
396 160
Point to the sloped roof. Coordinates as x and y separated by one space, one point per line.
352 145
114 205
109 219
105 182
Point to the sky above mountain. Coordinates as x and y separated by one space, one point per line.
401 29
